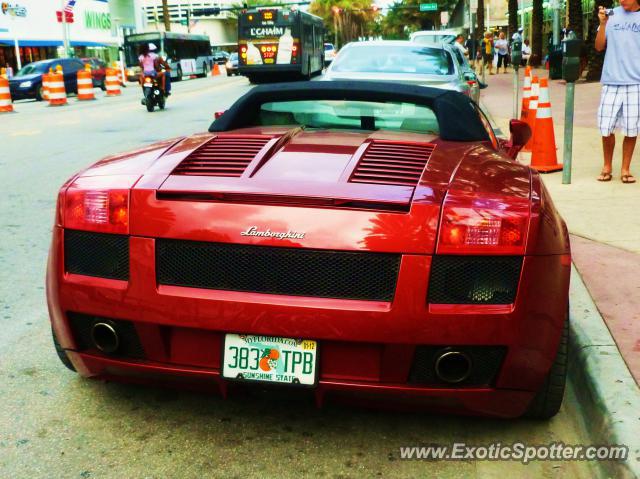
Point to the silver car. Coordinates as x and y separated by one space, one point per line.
406 62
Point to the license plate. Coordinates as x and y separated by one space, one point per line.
269 359
268 60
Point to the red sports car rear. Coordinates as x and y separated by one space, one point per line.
392 265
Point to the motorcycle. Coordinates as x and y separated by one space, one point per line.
153 93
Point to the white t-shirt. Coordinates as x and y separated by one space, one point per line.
622 57
502 46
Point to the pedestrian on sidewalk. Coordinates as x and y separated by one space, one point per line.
526 52
487 52
620 100
502 47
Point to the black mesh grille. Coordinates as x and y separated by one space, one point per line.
288 271
485 365
474 279
82 324
96 254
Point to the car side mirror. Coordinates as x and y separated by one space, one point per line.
520 135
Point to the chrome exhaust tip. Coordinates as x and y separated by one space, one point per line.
105 337
453 366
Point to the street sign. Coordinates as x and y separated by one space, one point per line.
428 7
184 22
444 18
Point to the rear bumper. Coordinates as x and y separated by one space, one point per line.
366 347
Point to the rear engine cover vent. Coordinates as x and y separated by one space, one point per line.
390 163
227 155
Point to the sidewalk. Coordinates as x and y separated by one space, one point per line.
602 217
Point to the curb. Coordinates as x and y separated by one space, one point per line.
608 396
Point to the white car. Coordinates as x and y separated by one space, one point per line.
330 53
434 37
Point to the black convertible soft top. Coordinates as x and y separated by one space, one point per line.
457 116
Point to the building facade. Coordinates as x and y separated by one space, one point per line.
186 17
33 29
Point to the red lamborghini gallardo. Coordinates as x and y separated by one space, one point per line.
358 242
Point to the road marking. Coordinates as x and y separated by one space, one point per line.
26 133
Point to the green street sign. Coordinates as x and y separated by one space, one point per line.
183 21
428 7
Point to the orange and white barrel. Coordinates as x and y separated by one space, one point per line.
118 70
57 93
85 84
45 85
112 82
5 94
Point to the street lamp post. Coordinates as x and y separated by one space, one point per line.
65 33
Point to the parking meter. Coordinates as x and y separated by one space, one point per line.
571 57
516 50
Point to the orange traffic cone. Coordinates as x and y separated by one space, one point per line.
112 82
543 158
5 93
57 93
216 70
85 84
531 113
526 94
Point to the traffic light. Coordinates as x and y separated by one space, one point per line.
204 12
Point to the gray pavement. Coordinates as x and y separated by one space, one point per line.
56 424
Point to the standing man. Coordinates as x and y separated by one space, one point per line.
619 34
459 44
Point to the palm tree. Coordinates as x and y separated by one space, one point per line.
575 18
536 34
480 17
165 16
513 17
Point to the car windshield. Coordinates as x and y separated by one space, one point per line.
394 59
434 39
350 115
328 46
31 68
233 57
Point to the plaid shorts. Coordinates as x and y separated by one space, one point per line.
619 108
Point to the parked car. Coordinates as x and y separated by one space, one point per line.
221 57
404 62
330 53
232 65
98 71
27 82
347 238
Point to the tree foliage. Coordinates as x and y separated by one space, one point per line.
536 34
404 17
355 18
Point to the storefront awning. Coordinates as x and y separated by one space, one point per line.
52 43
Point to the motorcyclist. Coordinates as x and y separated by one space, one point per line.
150 63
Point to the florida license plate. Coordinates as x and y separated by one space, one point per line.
269 359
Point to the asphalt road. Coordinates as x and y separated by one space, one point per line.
56 424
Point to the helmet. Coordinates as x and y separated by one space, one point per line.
152 47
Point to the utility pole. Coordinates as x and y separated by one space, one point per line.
555 6
165 16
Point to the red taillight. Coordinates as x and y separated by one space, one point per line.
471 82
106 211
480 230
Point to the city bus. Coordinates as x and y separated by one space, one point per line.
279 43
186 54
